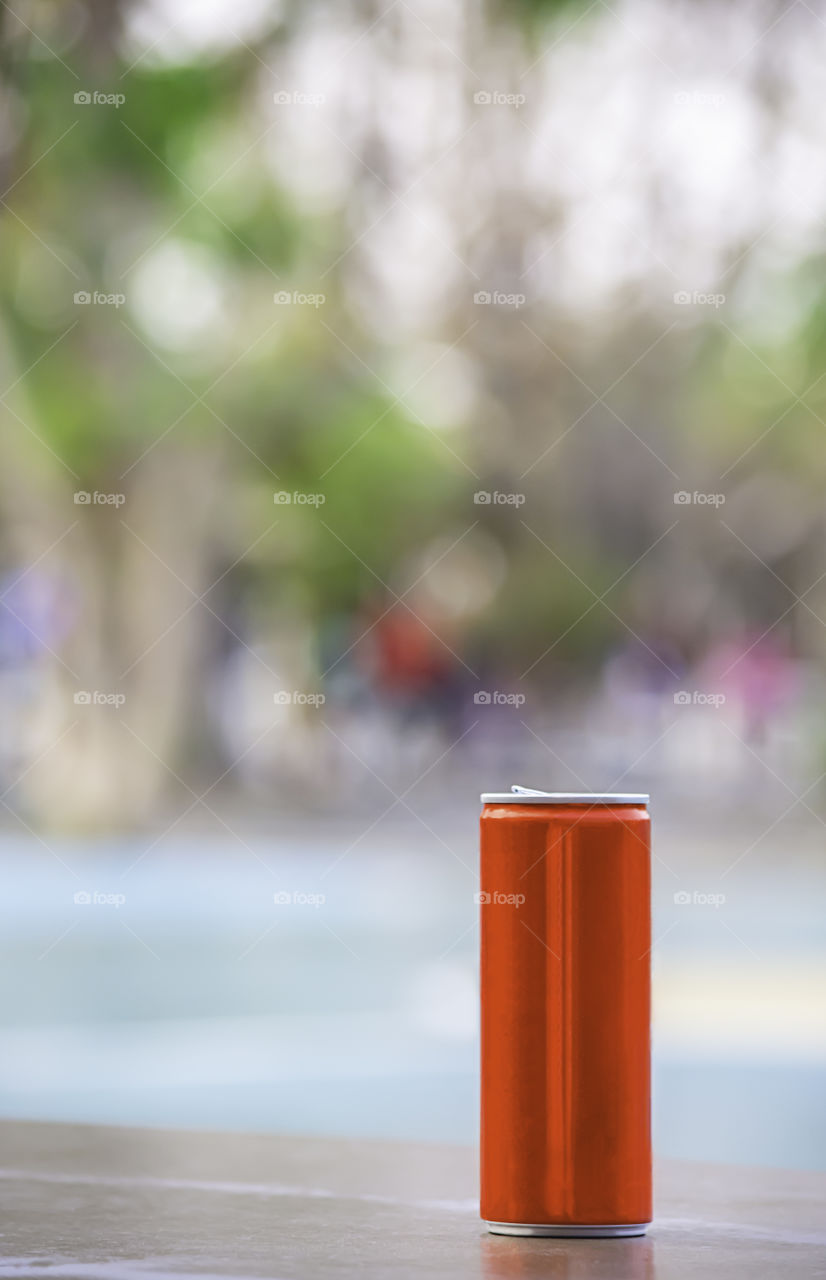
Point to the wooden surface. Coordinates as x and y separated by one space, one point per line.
96 1203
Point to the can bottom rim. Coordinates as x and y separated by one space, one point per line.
567 1229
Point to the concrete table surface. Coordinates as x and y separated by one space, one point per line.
83 1201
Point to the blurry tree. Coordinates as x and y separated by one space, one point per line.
581 169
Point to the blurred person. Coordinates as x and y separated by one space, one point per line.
412 671
38 614
638 674
759 677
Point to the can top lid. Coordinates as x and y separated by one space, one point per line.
526 795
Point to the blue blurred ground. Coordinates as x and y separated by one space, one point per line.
200 1001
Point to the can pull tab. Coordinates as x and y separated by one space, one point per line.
528 791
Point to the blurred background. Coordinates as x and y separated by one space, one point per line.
401 400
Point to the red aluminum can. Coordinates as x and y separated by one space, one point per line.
565 993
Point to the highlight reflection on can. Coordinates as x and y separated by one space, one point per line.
565 992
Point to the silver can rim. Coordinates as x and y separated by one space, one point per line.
568 1230
565 797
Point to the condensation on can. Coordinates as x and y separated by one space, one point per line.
565 1014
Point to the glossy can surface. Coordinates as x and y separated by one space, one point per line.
565 1035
